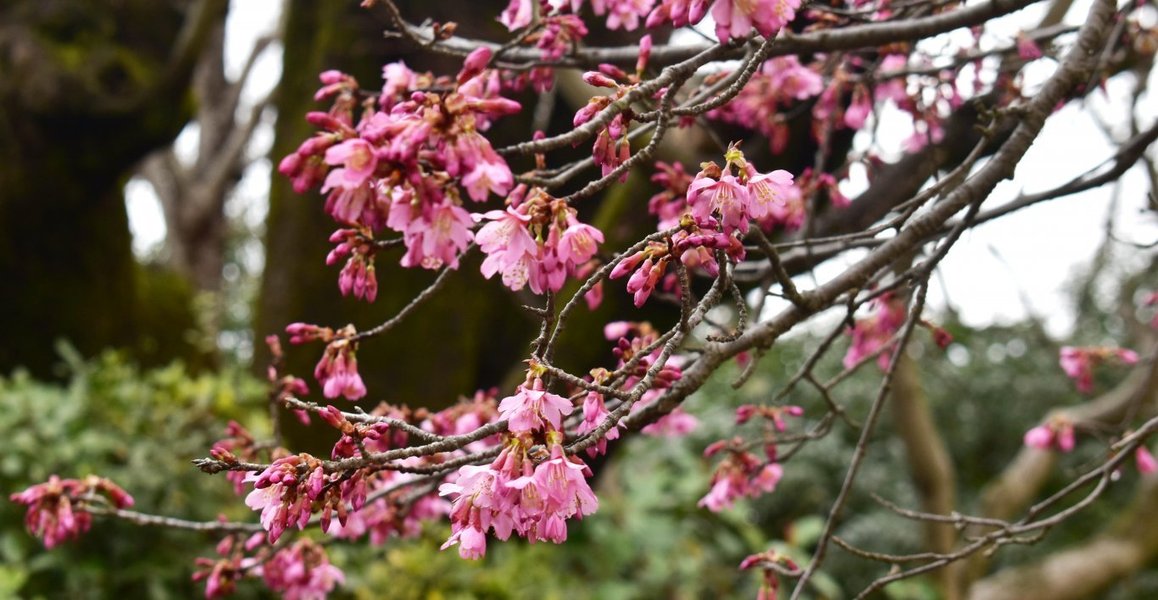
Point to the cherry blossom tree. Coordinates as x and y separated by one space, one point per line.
412 180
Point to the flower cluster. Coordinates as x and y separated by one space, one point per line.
337 370
355 245
56 511
763 103
1079 363
1057 432
671 201
874 333
734 18
637 344
556 35
301 571
238 445
612 147
739 474
222 574
404 165
521 491
717 207
773 414
538 241
285 491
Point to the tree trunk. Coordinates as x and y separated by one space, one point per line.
86 90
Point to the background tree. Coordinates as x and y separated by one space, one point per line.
87 91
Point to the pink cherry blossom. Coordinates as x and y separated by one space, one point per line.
282 496
676 423
509 247
594 413
725 196
737 18
740 474
437 236
1147 464
1027 49
770 194
301 571
623 13
358 162
874 333
534 409
53 514
1058 433
1079 363
518 14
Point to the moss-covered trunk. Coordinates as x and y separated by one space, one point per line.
86 90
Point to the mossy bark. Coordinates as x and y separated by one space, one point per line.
86 90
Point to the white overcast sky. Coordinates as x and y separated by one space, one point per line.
998 273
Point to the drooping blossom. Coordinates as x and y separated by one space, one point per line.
594 414
671 202
773 414
1079 363
536 242
622 13
222 574
358 274
55 508
532 409
357 162
737 18
301 571
874 333
337 371
406 164
509 247
238 445
1145 461
740 474
762 104
676 423
518 14
512 494
436 235
1057 432
734 18
285 491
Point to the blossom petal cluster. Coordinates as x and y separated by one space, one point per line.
56 510
718 205
301 571
537 242
1079 363
740 474
875 332
406 164
521 491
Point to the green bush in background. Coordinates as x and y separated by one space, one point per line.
140 429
